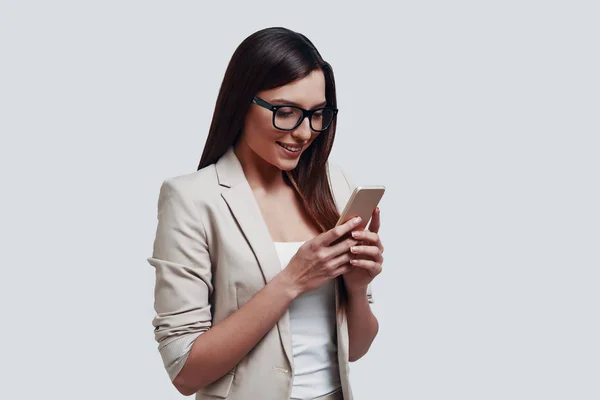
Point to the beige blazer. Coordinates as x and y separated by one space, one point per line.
212 253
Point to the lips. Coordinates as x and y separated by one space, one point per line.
291 147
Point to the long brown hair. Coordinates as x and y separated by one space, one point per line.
267 59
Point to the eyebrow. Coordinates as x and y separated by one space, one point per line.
293 103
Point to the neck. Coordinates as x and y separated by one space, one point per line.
261 175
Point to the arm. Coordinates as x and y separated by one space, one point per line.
218 350
362 324
194 352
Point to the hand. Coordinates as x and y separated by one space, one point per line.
317 261
367 257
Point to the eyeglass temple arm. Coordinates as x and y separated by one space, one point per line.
262 103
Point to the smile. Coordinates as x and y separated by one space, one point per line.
293 149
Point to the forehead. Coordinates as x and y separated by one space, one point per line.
307 91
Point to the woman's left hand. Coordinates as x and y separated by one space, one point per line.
368 256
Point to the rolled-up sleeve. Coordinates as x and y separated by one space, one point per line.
183 283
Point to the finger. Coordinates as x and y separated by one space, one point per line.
342 269
339 231
342 247
375 221
370 251
338 261
369 237
374 268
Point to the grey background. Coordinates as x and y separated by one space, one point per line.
481 118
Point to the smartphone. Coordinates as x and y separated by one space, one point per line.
362 203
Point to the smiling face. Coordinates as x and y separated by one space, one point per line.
277 147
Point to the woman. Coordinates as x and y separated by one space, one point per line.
252 299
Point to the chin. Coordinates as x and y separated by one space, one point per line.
286 165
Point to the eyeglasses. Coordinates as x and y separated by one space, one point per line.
287 117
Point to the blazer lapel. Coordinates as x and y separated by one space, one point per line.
246 211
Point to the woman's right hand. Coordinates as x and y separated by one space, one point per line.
317 261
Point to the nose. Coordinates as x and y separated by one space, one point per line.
303 130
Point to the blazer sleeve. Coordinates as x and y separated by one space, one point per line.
351 187
183 283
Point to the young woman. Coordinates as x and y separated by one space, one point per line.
252 299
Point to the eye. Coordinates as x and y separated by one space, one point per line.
287 112
284 114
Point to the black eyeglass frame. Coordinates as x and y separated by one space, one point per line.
305 113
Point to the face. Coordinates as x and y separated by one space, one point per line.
268 142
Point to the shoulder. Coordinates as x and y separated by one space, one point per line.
196 186
338 176
341 185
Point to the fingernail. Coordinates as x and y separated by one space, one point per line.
355 234
353 249
353 261
356 220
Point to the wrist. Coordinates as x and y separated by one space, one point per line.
357 292
286 286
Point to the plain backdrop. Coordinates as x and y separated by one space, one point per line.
481 118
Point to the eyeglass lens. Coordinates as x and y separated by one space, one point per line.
288 117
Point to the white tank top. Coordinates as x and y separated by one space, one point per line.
313 325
